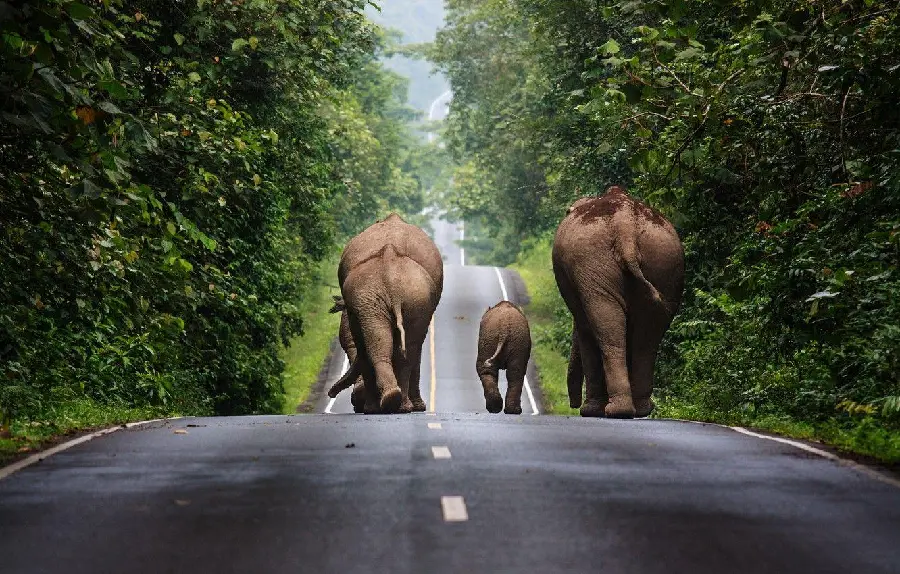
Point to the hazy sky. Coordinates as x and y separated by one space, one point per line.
418 20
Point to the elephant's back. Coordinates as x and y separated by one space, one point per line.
407 240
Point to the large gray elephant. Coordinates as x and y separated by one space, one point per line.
504 342
619 266
345 338
391 278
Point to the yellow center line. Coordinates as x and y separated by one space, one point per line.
433 372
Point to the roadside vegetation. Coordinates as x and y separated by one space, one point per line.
304 356
171 175
766 131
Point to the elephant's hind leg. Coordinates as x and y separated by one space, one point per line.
607 321
493 402
575 374
515 380
378 342
648 324
591 368
415 368
358 397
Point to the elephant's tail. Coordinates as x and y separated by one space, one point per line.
390 254
347 380
630 258
489 363
398 318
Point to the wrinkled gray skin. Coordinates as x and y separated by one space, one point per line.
619 266
504 342
391 279
345 337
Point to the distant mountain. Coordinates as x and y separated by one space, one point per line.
418 21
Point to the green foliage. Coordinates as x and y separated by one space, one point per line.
767 131
169 176
304 355
550 326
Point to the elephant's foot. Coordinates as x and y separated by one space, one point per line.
391 400
512 409
371 407
358 399
620 408
643 407
593 408
574 402
406 406
418 405
493 402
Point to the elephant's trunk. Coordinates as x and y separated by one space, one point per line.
347 380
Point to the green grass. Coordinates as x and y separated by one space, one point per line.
534 265
68 417
862 435
304 356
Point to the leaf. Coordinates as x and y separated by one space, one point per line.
238 44
253 41
822 295
79 11
179 39
687 54
109 107
610 47
827 68
194 77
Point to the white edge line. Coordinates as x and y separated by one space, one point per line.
861 468
37 457
462 250
332 401
534 408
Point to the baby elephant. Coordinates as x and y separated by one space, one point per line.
504 332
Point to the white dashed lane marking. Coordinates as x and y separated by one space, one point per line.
440 452
434 425
454 508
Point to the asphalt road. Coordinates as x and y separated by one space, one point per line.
454 491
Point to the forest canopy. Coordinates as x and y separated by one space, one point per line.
170 175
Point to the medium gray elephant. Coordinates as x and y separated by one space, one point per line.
345 338
504 342
391 278
619 266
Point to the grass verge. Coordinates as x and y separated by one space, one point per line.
534 265
859 435
68 418
303 357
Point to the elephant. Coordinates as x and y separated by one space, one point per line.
503 330
619 266
391 278
345 337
